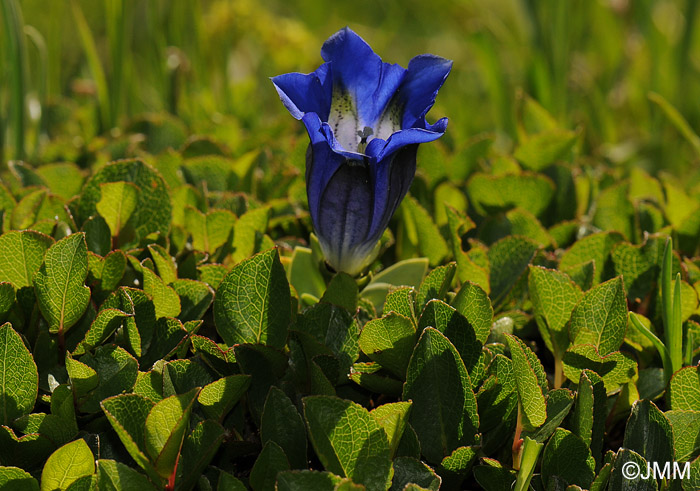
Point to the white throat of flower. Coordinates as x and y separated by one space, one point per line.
351 131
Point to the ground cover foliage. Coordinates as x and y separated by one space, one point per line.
166 320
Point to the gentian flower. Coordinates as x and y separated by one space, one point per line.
365 119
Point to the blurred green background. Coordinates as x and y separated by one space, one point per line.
72 71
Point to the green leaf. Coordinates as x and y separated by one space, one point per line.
615 368
198 450
348 441
600 318
473 303
497 400
281 423
180 376
389 341
590 411
165 430
83 379
210 231
7 299
104 325
454 468
117 203
60 283
168 335
444 412
456 328
115 476
195 298
306 480
152 212
26 248
270 461
253 303
553 296
649 433
408 470
492 194
165 298
509 258
247 233
492 476
16 479
639 265
559 402
545 148
39 207
567 457
614 211
393 417
342 291
422 231
684 389
117 371
629 463
435 285
219 397
19 379
529 381
686 428
106 273
66 465
266 366
596 247
372 377
304 273
401 301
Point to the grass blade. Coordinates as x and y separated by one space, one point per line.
16 56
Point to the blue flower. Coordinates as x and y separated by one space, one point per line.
365 119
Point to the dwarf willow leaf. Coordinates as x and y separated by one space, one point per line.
600 318
21 255
19 379
304 480
210 231
686 428
66 465
559 402
684 389
165 428
401 301
16 479
553 296
165 299
444 412
198 450
271 460
115 476
248 231
422 231
117 203
649 433
282 424
529 191
588 419
253 303
567 457
508 260
348 441
435 284
408 470
473 303
456 328
153 209
529 381
596 247
389 341
219 397
393 417
615 369
60 283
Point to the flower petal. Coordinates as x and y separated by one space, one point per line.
425 76
379 149
306 93
391 179
360 71
343 220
